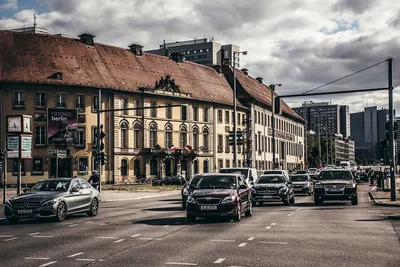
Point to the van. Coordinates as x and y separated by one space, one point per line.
250 174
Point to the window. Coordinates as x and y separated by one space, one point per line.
153 167
124 167
227 117
238 117
168 111
220 143
40 135
40 99
196 139
227 163
80 137
79 101
168 136
153 111
205 166
37 166
15 167
227 147
18 99
136 135
196 166
183 137
95 103
219 116
205 138
195 113
124 135
220 164
153 135
138 112
184 113
243 119
61 100
205 114
124 105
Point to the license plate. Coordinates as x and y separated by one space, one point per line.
208 207
24 211
267 196
298 189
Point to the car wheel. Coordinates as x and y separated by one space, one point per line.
354 200
190 218
317 201
309 193
94 207
254 203
249 211
13 220
238 215
163 184
61 212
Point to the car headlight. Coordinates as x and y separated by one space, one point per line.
318 186
307 185
282 190
228 200
351 185
8 203
185 192
49 203
191 200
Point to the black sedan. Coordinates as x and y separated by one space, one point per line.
186 190
170 180
219 195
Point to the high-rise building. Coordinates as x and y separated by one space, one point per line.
202 51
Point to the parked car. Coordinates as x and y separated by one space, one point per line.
335 185
302 184
187 191
363 176
56 198
313 170
222 195
170 180
250 174
273 188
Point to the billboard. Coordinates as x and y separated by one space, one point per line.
61 126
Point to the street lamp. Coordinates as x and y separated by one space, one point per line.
235 107
272 86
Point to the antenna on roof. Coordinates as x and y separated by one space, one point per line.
34 21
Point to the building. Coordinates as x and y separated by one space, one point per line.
60 74
344 150
289 127
202 51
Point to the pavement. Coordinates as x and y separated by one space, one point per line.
155 232
382 198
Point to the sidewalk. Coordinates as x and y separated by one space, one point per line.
119 195
382 198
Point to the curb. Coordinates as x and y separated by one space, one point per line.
138 198
377 202
394 216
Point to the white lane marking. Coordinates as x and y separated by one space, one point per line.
9 239
2 218
273 224
290 225
34 233
219 260
289 214
76 254
102 224
369 199
242 244
85 259
363 199
221 240
120 240
145 238
135 235
36 258
270 242
250 239
44 236
268 227
72 225
158 239
374 188
181 263
107 237
389 228
47 264
166 226
89 222
5 236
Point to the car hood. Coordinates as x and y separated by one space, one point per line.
214 193
274 185
37 196
329 182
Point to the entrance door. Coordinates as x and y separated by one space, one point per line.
64 167
136 167
167 163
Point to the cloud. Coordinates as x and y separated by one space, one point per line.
9 4
356 6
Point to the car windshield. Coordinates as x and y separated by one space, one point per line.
298 178
195 180
272 172
238 171
335 175
50 185
301 172
217 182
270 179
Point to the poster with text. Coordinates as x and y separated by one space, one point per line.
61 125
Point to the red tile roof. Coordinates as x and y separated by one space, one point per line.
32 58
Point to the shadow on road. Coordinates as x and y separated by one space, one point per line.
371 220
165 209
182 221
29 221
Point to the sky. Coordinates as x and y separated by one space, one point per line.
301 44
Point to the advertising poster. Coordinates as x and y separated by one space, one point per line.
26 147
61 125
13 147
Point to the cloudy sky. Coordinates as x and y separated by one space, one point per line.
299 43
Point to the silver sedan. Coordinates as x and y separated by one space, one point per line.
56 198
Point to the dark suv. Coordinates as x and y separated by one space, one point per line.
335 185
219 195
273 188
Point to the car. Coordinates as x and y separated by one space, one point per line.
363 176
273 188
302 184
302 172
169 180
283 172
313 170
219 195
54 198
335 185
250 174
186 190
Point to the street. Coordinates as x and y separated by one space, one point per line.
154 232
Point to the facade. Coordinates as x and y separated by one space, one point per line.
202 51
344 150
178 131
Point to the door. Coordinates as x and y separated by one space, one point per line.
74 200
136 168
243 194
64 168
87 191
167 163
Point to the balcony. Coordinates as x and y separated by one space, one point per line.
126 151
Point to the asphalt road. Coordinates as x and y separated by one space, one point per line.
154 232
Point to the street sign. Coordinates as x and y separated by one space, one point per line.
52 152
13 147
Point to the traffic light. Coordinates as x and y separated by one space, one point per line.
231 138
104 159
239 137
102 135
395 128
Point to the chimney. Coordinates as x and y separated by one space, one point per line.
245 71
177 57
217 68
137 49
259 79
87 38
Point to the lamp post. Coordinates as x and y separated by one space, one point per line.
235 108
272 86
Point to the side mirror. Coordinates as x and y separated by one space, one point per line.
74 190
25 190
242 186
192 186
289 182
251 183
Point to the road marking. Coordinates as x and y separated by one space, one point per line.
219 260
181 263
146 238
72 225
289 214
250 239
135 235
374 188
76 254
5 236
290 225
158 239
363 199
389 228
89 222
269 242
166 226
9 239
273 224
268 227
44 236
47 264
36 258
85 259
120 240
369 198
242 244
220 240
107 237
102 224
34 233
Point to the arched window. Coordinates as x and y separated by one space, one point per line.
153 135
196 166
168 136
205 138
183 136
153 167
124 135
205 166
124 167
137 136
195 138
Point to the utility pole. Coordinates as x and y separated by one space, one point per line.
319 141
327 146
272 86
305 135
234 113
391 133
98 145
